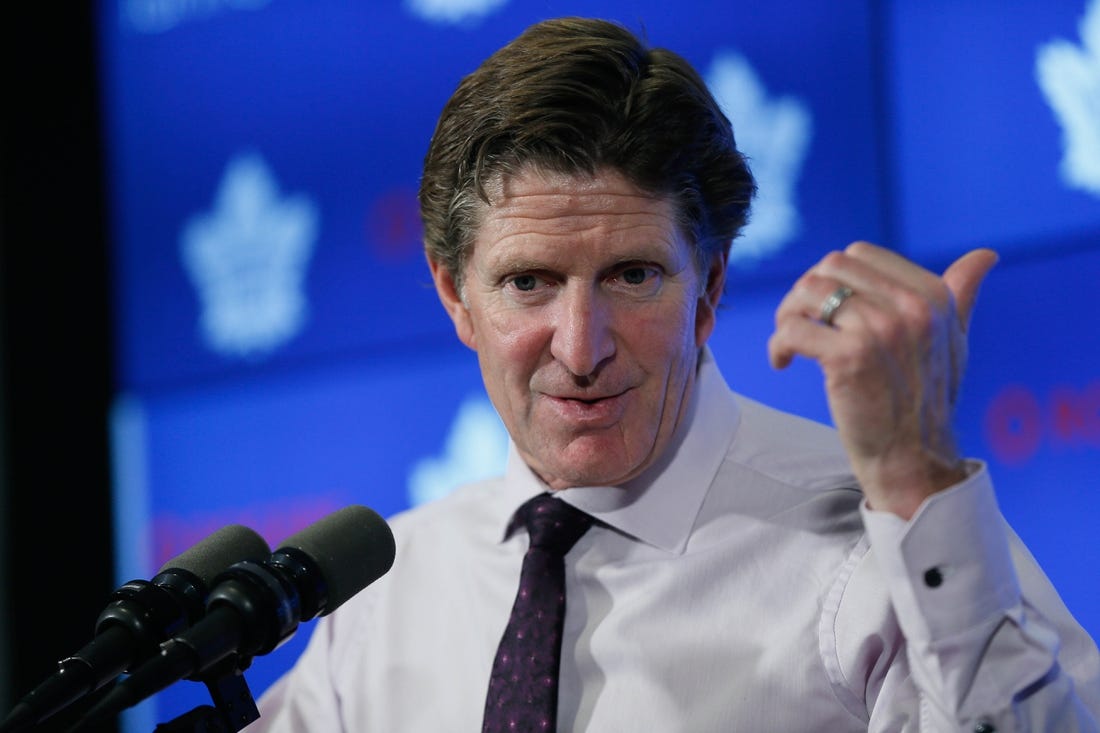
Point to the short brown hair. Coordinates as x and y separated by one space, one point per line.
575 95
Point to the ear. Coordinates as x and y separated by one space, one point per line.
449 296
706 311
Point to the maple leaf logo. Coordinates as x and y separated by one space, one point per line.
247 260
774 134
476 448
1069 76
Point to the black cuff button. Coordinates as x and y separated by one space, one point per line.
933 578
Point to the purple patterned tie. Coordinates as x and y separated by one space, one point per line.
523 689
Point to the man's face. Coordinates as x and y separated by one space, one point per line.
587 310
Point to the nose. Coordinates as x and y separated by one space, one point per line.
583 335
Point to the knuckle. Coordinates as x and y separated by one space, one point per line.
893 332
832 260
788 306
810 282
917 312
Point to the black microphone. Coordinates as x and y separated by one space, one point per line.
255 606
140 615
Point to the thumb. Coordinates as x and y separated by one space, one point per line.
964 277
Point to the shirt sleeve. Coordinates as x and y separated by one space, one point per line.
988 642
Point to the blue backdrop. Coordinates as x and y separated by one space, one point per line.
281 352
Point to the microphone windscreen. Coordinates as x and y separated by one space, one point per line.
218 551
352 548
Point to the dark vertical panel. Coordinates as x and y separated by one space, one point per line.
57 543
5 654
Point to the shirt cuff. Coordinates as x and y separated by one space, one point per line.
949 568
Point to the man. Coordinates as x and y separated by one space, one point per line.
746 570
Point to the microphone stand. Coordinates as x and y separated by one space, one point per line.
234 706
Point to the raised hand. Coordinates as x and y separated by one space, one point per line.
891 340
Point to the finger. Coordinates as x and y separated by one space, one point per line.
808 295
805 297
964 278
887 261
782 344
874 270
798 336
835 270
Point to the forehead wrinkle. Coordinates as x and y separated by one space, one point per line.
560 186
515 232
555 212
511 225
544 205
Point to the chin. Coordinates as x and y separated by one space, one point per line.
586 461
598 475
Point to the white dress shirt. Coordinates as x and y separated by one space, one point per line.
731 588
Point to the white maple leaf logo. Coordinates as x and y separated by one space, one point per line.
247 260
774 134
1069 76
476 448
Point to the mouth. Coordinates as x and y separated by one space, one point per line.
588 399
588 409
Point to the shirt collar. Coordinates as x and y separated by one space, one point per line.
660 506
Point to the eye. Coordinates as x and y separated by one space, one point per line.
636 275
528 287
525 283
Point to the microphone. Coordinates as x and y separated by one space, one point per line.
140 615
255 606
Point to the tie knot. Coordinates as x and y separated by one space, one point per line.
553 525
